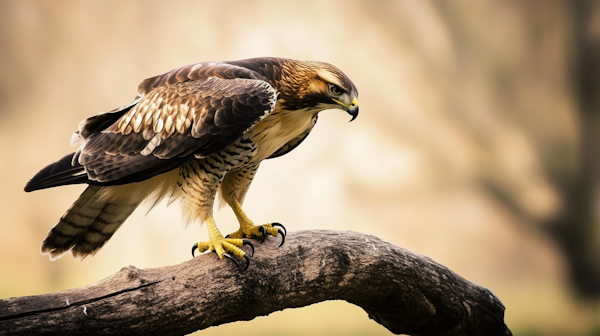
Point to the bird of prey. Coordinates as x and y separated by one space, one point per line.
189 134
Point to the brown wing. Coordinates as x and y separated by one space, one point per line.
198 71
172 125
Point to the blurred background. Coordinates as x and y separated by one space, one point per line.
477 143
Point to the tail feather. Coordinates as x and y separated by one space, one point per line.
100 210
88 224
105 225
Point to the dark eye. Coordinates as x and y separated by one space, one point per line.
335 90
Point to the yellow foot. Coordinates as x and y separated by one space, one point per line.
256 231
222 246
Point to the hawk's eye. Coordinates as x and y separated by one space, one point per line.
335 90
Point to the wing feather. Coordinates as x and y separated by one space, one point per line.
196 72
175 121
189 112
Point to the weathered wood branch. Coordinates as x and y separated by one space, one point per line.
405 292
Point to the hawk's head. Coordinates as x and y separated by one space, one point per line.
313 87
330 88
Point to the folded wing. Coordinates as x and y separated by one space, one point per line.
171 125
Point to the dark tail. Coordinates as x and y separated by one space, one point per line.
91 221
61 172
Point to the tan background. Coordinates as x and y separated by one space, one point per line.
455 96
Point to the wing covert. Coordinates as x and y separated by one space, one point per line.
175 123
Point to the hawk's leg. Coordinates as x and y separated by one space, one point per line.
248 229
199 182
233 190
222 246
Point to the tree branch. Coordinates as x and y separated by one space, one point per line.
402 290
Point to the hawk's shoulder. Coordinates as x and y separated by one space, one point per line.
196 72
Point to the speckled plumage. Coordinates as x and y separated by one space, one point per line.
187 134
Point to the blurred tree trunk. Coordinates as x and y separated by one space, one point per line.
577 229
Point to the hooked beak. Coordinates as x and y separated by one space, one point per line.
352 109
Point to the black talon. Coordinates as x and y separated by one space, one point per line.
227 236
282 237
247 262
281 226
252 246
193 249
263 232
226 255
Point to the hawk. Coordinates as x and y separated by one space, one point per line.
189 134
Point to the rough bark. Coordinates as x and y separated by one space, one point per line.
405 292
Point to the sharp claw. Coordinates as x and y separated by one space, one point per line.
282 237
281 226
263 232
193 250
247 262
226 255
227 236
252 246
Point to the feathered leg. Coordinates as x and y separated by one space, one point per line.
199 182
233 190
